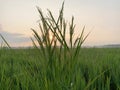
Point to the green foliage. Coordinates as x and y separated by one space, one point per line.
96 69
55 64
57 53
5 42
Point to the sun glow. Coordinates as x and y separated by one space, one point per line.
51 37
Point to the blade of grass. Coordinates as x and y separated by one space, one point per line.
5 41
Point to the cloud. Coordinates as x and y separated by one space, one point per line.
13 38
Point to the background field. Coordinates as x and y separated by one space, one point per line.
57 60
26 69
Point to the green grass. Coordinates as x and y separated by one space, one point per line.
25 69
58 63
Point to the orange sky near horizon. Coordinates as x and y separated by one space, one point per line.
101 17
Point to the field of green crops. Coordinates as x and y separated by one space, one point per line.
26 69
57 60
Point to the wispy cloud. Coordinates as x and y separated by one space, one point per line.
13 38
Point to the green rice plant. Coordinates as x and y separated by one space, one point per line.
97 69
57 63
5 41
59 55
57 28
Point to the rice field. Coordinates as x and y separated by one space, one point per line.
26 69
56 63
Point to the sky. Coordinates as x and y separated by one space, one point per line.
101 17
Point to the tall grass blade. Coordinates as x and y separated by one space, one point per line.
5 41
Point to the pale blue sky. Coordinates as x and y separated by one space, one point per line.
102 16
